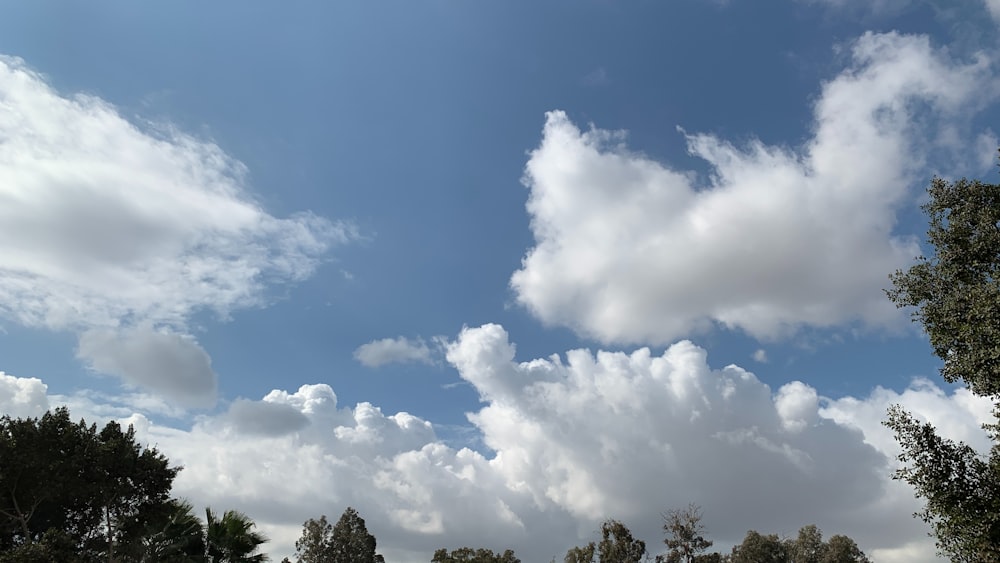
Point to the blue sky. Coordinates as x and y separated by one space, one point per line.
208 207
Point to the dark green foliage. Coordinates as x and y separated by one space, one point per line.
313 545
956 293
232 539
52 546
842 549
98 489
616 546
174 535
758 548
469 555
351 541
73 494
346 542
808 547
961 488
583 554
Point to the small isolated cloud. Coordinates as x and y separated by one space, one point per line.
399 350
629 250
170 364
760 356
573 438
265 418
597 77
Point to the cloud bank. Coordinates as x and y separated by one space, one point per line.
572 439
628 250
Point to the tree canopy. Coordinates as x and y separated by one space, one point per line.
616 546
98 489
955 294
469 555
346 542
73 494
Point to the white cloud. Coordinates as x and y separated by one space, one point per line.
103 222
22 396
629 250
574 439
171 364
873 6
760 356
994 8
946 8
393 350
107 223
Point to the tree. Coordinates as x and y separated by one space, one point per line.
176 535
351 541
685 535
469 555
809 546
98 490
842 549
130 485
956 297
313 545
956 292
54 545
346 542
583 554
232 539
616 546
758 548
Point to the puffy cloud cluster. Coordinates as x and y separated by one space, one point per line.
107 224
572 439
630 250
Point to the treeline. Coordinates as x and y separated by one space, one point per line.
71 493
685 542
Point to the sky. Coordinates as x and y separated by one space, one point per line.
492 272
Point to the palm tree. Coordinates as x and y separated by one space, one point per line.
173 535
232 539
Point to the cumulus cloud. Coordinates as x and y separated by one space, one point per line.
168 363
107 223
393 350
630 250
22 396
572 439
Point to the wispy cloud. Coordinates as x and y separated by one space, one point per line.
107 223
398 350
